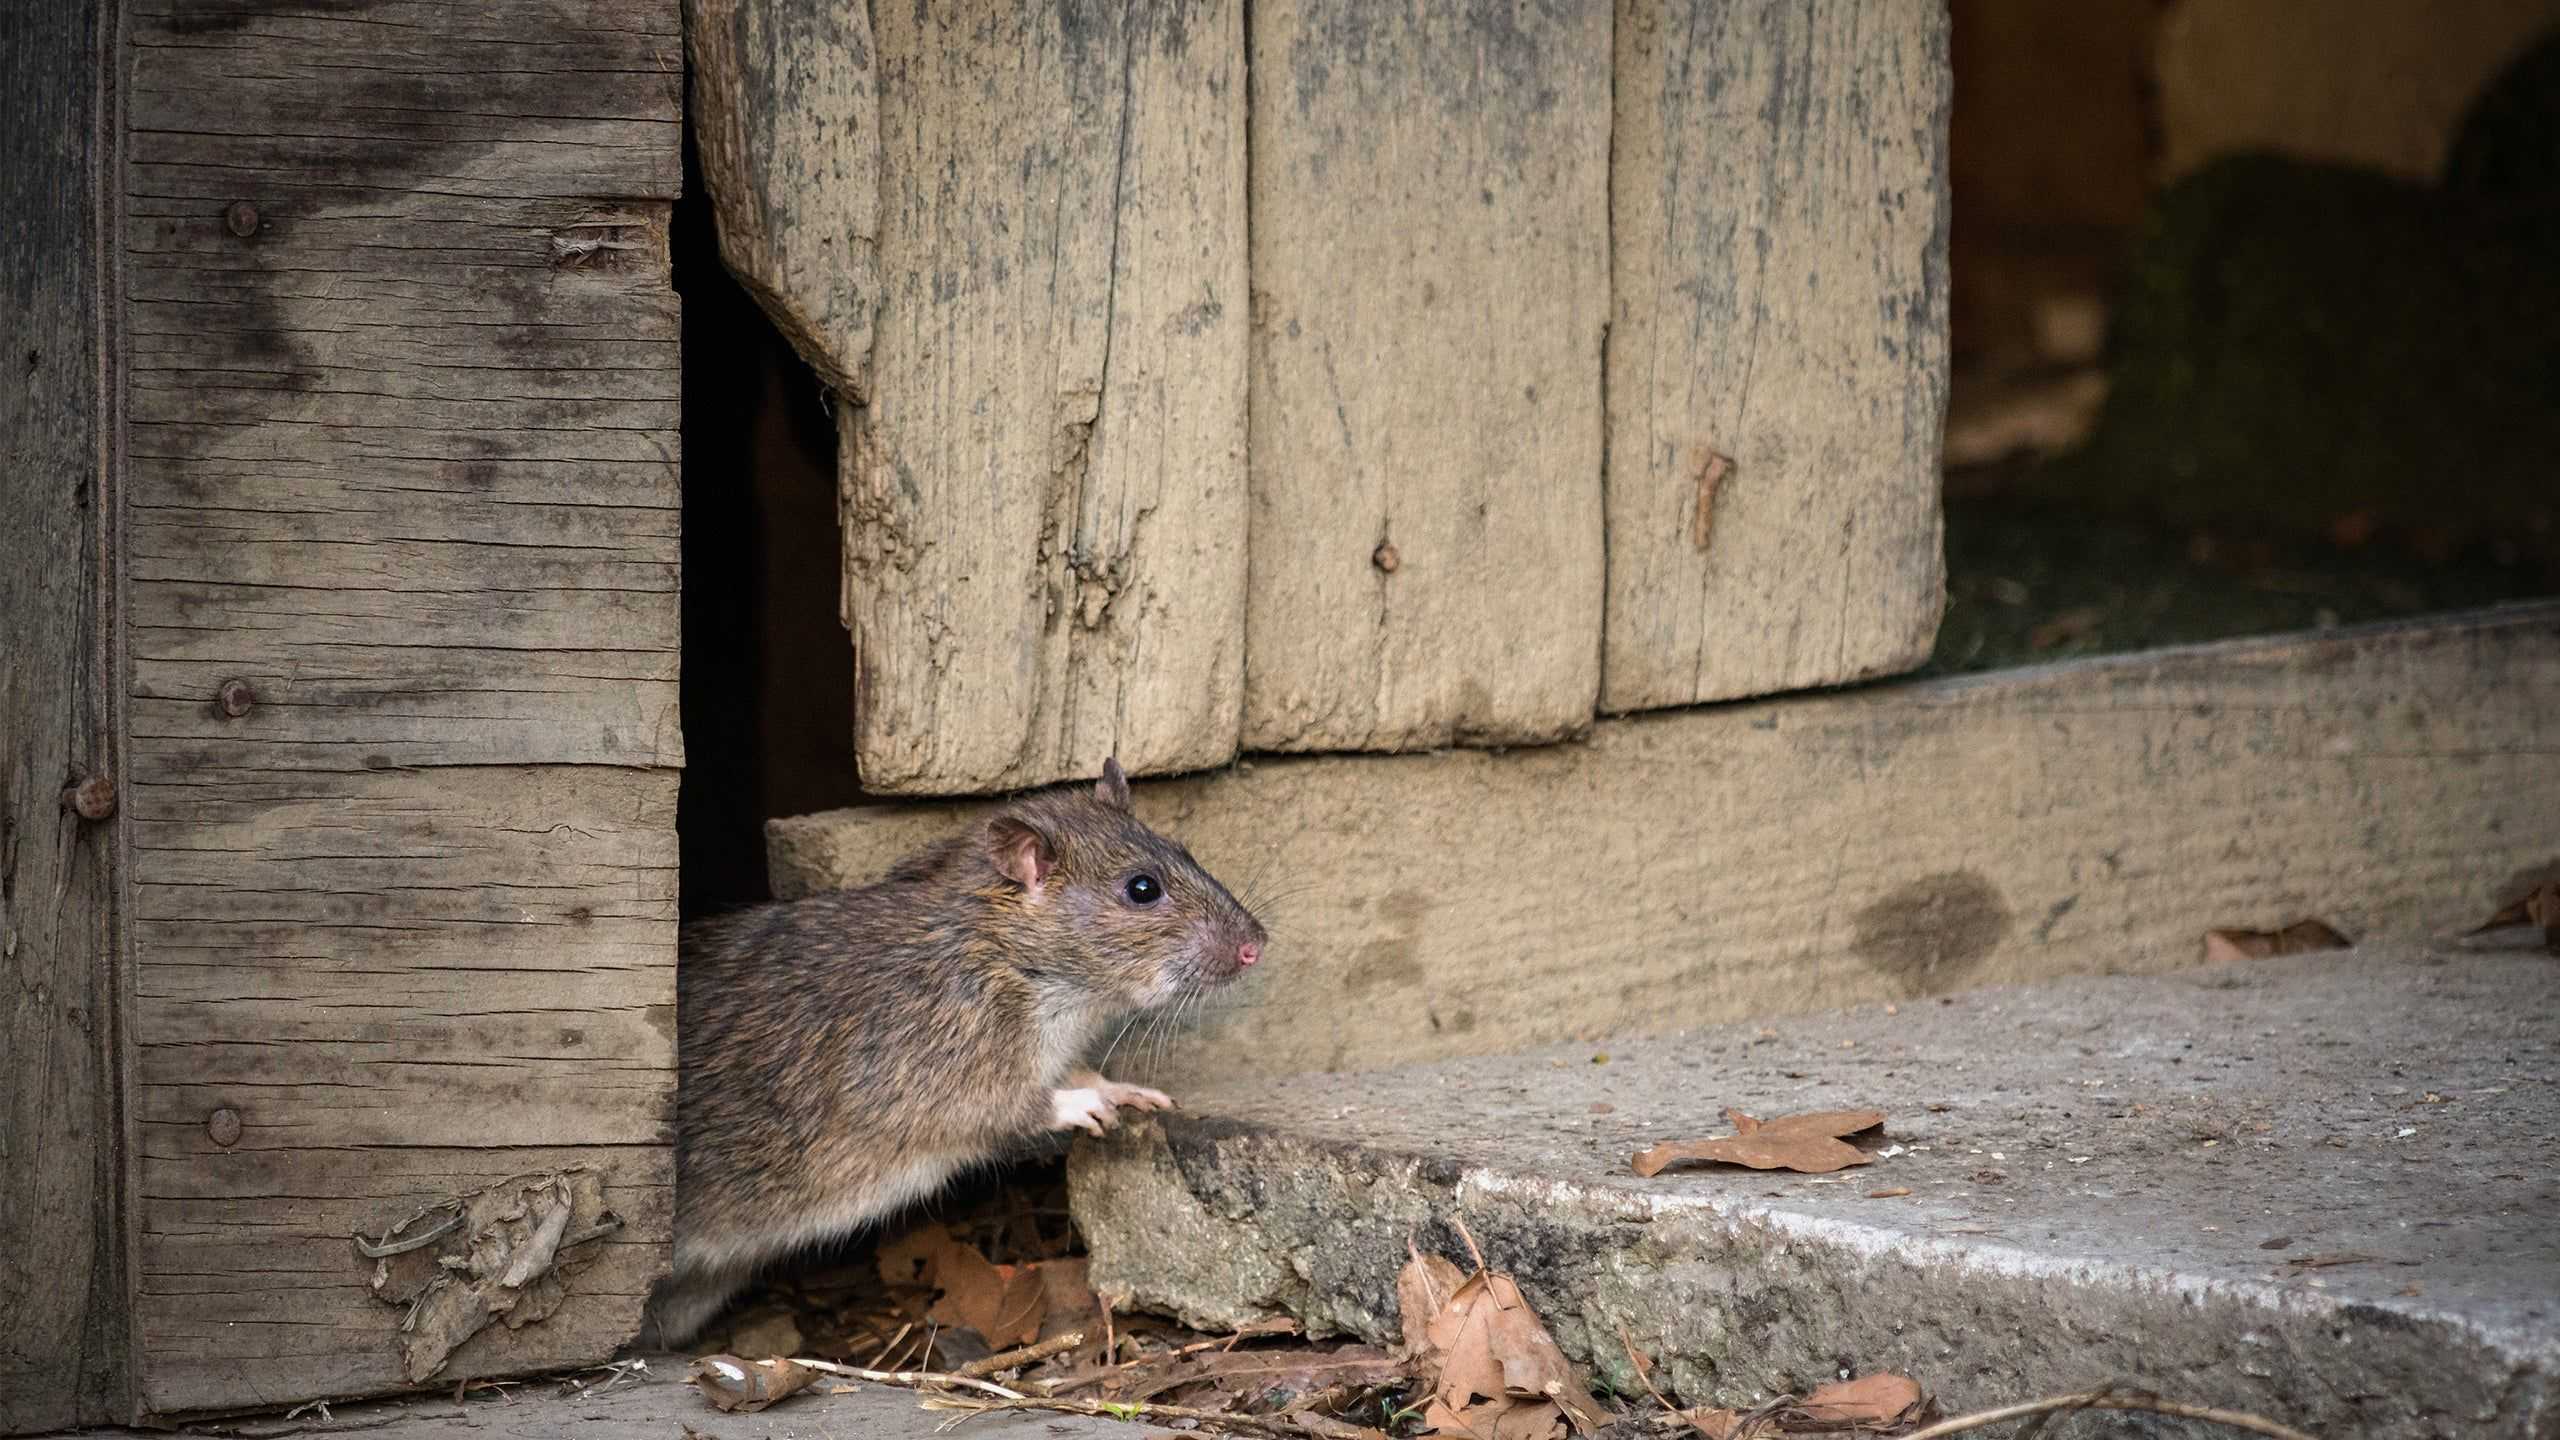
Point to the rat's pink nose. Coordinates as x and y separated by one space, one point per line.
1247 953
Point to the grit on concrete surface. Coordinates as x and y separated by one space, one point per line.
660 1407
2321 1188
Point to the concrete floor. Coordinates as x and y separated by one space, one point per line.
2323 1187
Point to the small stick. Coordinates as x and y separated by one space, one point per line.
1646 1380
2110 1400
1129 1410
911 1379
1471 1242
1021 1355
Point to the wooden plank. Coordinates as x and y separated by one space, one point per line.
786 125
1777 350
403 624
65 1339
1430 272
1044 496
1898 841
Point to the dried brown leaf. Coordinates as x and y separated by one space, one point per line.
1491 1346
2302 937
1003 1304
2537 906
730 1383
1422 1287
1713 1422
1870 1402
1807 1144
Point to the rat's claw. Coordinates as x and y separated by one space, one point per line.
1137 1097
1086 1109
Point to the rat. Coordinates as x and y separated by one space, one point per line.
842 1055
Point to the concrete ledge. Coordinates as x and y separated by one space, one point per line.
2112 1180
1897 841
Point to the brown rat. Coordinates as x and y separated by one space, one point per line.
843 1055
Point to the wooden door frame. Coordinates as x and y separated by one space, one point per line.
66 1272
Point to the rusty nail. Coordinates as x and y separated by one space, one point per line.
224 1126
1385 557
241 219
93 798
236 698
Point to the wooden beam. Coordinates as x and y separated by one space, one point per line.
1431 277
1778 345
65 1286
403 619
1870 846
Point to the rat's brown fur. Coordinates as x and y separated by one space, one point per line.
843 1055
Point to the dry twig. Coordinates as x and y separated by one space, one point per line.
2110 1400
911 1379
1280 1425
1020 1356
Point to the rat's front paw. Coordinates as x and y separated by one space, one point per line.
1136 1097
1086 1108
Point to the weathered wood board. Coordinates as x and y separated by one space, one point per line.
401 559
1777 353
64 1344
1431 276
786 123
1044 493
1902 840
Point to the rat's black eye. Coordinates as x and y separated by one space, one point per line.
1143 890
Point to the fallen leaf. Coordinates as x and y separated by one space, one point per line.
1422 1287
1807 1144
1491 1369
731 1383
1713 1422
2302 937
1003 1304
1870 1402
2537 906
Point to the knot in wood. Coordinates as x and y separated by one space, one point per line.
223 1127
241 219
236 698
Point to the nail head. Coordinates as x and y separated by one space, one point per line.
236 698
241 219
1385 558
224 1126
93 798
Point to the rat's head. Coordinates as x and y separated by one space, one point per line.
1117 908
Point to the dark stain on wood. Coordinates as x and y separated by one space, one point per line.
1934 931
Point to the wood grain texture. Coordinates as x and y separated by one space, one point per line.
1778 222
1044 501
1430 272
402 465
64 1342
787 125
1897 841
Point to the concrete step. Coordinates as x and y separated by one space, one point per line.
2321 1188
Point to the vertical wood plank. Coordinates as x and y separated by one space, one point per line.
1777 353
1430 270
403 618
1044 495
64 1288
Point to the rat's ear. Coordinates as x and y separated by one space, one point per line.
1019 850
1113 788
